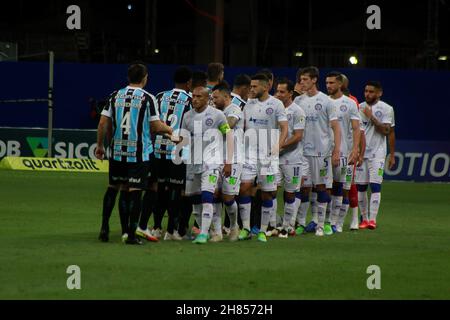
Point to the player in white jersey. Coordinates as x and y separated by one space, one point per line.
266 128
322 128
376 117
229 186
291 155
349 120
204 127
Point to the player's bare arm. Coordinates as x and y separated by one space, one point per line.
362 148
391 162
335 158
232 121
382 128
354 154
284 127
102 130
158 126
294 139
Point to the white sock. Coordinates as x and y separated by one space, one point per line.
207 214
335 209
313 201
355 213
342 213
301 215
328 211
265 217
217 217
297 206
363 203
244 211
232 214
197 212
321 210
375 199
289 209
273 214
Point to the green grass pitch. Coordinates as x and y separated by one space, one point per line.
49 221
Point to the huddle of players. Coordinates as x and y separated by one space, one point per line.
319 141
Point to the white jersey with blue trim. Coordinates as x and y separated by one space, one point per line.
318 137
375 142
346 111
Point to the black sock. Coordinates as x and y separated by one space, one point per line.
174 209
134 200
186 211
255 214
161 205
148 203
109 201
226 221
124 211
239 219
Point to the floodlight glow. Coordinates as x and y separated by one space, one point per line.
353 60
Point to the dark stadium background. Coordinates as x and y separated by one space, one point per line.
255 32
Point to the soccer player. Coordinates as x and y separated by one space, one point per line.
172 105
199 79
241 89
349 119
263 114
376 117
353 194
292 153
321 125
206 125
133 115
215 74
230 185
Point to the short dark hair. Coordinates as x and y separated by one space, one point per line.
242 80
289 84
137 71
199 79
336 74
375 84
260 77
182 75
267 72
222 87
312 71
214 71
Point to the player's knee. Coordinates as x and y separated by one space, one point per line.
304 197
289 197
323 196
196 199
207 197
362 187
375 187
244 199
267 203
338 189
228 202
266 196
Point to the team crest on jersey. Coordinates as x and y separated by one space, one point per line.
318 107
269 111
209 122
378 114
289 117
343 108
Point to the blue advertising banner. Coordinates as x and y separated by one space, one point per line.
421 161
